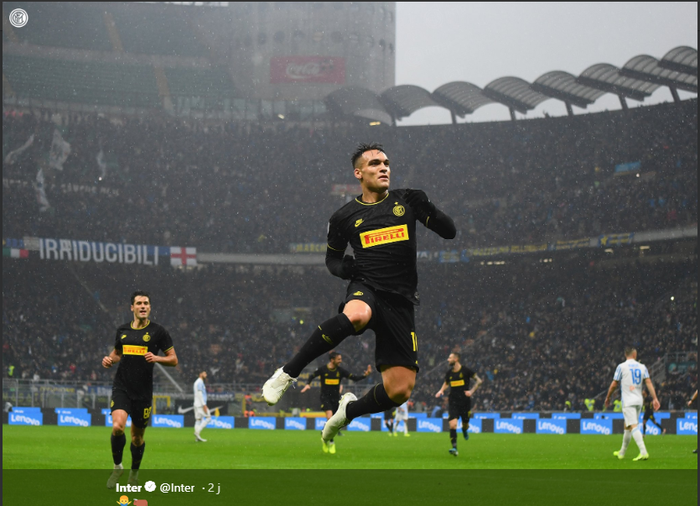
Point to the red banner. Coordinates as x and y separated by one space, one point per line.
307 69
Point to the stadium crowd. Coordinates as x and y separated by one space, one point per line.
538 335
229 188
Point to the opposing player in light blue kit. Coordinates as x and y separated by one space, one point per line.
401 415
202 415
631 376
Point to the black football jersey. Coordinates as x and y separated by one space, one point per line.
330 380
459 383
134 374
383 237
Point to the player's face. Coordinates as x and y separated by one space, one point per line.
374 172
452 359
141 307
337 361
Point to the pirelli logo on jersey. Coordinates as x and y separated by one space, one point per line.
384 236
329 381
130 349
459 383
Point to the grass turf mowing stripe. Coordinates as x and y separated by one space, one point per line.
54 447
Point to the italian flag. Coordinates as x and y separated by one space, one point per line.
15 253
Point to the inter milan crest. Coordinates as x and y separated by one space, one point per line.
399 210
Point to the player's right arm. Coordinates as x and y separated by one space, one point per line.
306 388
338 263
442 390
111 359
611 389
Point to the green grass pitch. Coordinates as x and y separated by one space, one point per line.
53 465
54 447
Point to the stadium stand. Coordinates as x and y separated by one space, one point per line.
546 180
85 82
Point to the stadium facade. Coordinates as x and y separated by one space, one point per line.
228 60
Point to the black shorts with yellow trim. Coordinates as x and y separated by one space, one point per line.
330 403
393 323
139 410
461 409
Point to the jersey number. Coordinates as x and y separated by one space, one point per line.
636 376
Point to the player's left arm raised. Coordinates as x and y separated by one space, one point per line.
169 360
429 215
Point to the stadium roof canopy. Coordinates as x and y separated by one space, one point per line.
562 85
461 98
681 59
404 100
357 101
648 68
639 78
514 93
608 78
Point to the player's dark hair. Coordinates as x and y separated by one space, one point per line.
332 355
362 147
629 350
139 293
459 357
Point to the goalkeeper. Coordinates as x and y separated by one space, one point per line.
380 226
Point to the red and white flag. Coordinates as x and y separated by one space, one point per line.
182 256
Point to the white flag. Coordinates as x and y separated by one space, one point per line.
60 150
41 191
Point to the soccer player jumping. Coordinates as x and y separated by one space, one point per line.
380 226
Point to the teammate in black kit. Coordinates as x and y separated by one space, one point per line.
331 375
460 402
649 415
380 226
136 350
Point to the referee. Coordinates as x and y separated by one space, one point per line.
460 399
331 375
136 350
380 226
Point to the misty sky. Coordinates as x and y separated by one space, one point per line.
437 43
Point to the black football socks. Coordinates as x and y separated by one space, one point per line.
326 337
137 455
374 401
118 443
